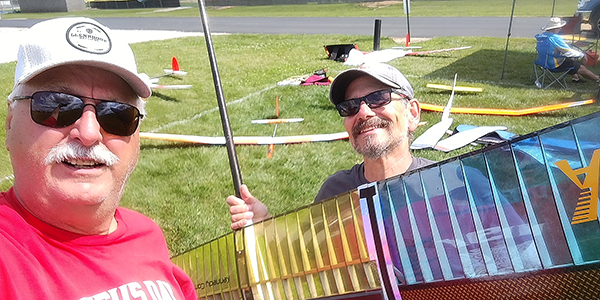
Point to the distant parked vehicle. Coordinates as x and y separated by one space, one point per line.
590 10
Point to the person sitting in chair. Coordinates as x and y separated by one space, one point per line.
564 56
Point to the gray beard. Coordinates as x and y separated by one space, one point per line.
372 148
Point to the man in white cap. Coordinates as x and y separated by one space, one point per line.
73 136
380 113
564 57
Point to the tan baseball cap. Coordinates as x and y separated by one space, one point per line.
384 73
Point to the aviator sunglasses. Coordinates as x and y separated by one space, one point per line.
376 99
56 110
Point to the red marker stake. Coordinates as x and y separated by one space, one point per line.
272 146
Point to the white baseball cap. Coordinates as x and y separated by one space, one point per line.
77 41
384 73
554 23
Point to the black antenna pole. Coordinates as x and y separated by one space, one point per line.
407 23
233 162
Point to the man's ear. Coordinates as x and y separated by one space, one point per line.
9 115
414 113
8 125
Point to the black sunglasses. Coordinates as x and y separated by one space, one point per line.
56 110
376 99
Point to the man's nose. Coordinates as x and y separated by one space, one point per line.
364 109
87 129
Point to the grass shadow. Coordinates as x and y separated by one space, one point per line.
164 97
486 65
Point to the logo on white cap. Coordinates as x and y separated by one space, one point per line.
89 37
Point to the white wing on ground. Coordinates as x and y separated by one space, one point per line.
463 138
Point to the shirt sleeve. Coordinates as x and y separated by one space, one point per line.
563 48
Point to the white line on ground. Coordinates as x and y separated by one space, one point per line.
162 127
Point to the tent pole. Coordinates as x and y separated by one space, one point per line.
508 38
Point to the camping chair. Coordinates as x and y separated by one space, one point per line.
544 72
584 40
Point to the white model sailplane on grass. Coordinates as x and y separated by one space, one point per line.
252 140
246 140
357 57
431 137
175 70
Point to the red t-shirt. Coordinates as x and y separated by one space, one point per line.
40 261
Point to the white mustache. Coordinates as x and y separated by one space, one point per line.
74 150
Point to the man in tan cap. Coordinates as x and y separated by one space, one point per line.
564 57
380 113
73 136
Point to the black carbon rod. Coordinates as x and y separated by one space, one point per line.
512 13
233 161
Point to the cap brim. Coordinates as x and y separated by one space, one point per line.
337 92
137 84
563 23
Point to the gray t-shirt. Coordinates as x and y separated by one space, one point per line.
346 180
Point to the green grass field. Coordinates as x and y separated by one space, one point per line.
183 187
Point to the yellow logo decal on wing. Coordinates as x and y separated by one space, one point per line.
587 206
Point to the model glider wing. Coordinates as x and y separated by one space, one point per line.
277 121
506 112
357 58
246 140
432 135
170 87
437 51
457 88
494 137
173 72
463 138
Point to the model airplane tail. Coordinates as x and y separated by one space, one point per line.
446 113
432 135
173 71
272 146
518 220
174 64
175 68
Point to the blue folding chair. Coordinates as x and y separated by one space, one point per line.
545 73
